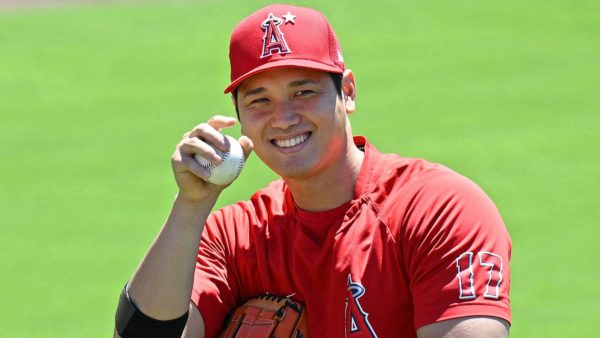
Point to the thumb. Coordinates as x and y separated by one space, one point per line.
247 145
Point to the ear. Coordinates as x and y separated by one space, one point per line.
349 91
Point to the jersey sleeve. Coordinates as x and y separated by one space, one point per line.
215 290
456 251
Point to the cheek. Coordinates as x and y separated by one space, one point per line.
250 133
247 131
253 117
253 130
333 112
248 122
323 109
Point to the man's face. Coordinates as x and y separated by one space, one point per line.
296 120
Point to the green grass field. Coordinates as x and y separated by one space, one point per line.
93 99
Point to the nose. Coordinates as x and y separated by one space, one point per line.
285 116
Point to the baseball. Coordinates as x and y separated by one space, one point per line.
229 168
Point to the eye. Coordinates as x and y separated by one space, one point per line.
305 92
258 100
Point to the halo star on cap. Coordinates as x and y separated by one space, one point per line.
283 36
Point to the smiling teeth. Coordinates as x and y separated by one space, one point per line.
291 142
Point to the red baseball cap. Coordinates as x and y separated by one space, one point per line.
280 36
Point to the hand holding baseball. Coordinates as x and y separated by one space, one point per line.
205 161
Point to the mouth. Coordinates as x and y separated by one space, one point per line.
286 143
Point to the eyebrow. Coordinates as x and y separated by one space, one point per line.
302 82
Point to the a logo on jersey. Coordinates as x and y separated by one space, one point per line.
274 40
357 321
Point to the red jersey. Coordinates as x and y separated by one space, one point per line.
417 244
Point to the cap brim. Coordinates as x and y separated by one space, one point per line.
284 63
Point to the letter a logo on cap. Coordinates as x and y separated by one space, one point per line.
273 40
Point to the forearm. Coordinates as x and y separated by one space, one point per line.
161 286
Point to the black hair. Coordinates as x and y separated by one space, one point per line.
335 77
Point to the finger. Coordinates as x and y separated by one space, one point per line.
194 146
208 134
191 165
185 162
219 122
247 145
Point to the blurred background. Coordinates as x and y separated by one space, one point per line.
94 95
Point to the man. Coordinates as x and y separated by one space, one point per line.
373 245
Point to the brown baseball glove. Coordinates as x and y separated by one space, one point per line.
268 316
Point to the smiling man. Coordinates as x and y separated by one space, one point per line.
358 243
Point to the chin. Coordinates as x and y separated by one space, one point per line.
293 172
299 167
